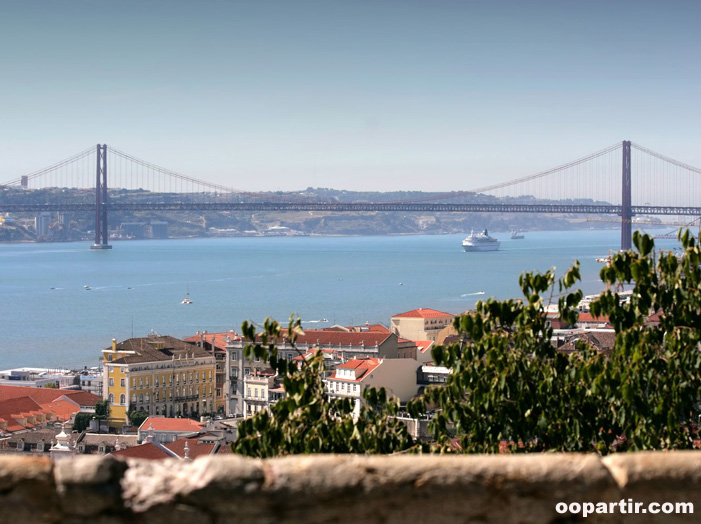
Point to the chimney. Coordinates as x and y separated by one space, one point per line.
114 344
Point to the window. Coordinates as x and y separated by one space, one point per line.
234 355
255 392
141 398
234 372
148 381
110 399
111 382
158 397
218 392
122 382
248 392
204 375
133 382
141 382
109 358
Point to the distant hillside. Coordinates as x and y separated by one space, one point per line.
78 225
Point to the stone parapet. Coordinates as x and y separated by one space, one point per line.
347 489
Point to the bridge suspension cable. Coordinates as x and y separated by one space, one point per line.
168 172
54 167
548 172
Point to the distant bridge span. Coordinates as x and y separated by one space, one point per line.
411 207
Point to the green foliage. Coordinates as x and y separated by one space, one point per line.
509 386
136 418
50 385
102 410
305 420
82 421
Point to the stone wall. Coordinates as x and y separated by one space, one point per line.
399 489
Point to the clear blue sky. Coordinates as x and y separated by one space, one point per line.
360 95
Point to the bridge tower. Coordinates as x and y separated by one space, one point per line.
626 205
101 235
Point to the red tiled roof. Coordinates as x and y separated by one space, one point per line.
171 424
45 395
423 345
62 409
588 317
144 451
196 449
424 313
218 340
17 408
361 367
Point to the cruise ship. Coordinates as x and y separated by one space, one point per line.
480 242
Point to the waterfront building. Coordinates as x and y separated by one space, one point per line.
38 377
161 375
42 222
420 324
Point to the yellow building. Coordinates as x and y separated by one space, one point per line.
160 375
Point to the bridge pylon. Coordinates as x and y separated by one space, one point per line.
101 233
626 205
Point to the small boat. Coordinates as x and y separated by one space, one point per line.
517 235
87 287
187 299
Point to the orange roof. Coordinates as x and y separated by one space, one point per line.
62 409
218 340
424 313
196 449
361 367
45 395
171 424
146 451
588 317
423 345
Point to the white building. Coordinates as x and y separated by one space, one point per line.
396 375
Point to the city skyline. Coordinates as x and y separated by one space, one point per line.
373 96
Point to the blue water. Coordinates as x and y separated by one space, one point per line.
138 285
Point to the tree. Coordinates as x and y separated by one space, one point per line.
82 421
306 421
136 418
102 410
510 387
50 385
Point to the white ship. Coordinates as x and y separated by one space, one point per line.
480 242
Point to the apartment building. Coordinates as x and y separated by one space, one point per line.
160 375
420 324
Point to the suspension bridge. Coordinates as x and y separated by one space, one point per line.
598 184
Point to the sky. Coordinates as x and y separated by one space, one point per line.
365 95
